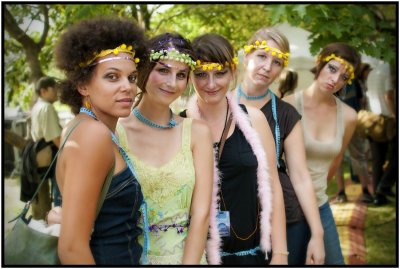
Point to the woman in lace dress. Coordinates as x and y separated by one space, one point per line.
173 157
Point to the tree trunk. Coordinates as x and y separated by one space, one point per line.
146 16
32 49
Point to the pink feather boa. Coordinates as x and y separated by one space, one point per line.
241 119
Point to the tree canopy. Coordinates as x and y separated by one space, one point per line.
33 29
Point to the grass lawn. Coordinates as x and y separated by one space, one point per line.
380 234
380 227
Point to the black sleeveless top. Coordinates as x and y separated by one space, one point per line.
287 117
238 169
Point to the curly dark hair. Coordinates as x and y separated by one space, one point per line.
342 50
163 41
82 40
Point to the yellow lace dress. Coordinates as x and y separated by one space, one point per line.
168 192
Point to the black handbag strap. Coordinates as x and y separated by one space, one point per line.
54 160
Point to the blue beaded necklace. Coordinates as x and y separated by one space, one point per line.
273 100
171 124
128 162
248 97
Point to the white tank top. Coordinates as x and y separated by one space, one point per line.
320 154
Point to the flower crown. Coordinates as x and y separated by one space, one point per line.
122 48
172 54
274 51
210 66
348 66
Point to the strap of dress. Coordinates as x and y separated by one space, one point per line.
339 118
186 134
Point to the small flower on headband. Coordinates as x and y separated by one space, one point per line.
348 66
274 51
172 54
122 48
210 66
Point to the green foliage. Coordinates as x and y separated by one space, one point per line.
362 26
226 20
371 28
17 91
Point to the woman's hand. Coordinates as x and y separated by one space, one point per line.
316 251
54 216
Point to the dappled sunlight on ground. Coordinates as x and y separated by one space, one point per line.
12 204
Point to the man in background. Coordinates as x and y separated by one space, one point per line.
45 125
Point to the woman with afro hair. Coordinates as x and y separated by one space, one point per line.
100 59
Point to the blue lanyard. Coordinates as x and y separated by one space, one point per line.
143 206
274 114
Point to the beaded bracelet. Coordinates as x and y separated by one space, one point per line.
286 253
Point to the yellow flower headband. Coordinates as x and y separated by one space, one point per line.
122 48
274 51
348 66
173 54
210 66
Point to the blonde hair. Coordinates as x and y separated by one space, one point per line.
271 33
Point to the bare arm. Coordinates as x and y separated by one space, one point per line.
278 227
350 118
85 161
201 200
335 166
56 142
302 184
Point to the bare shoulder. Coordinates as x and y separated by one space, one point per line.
200 128
93 135
289 99
349 113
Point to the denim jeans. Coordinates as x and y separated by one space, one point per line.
333 252
298 235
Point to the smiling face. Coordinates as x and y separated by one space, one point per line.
167 81
212 85
112 88
262 67
333 77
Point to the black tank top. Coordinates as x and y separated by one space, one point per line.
238 168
